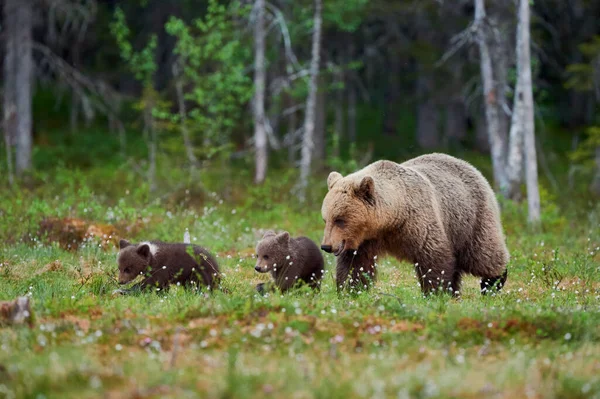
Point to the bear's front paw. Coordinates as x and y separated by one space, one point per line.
261 288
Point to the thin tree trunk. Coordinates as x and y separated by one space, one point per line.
514 164
481 134
260 131
338 125
185 133
151 141
524 75
455 127
500 59
309 122
351 89
390 107
18 73
9 100
320 125
291 131
490 96
427 114
595 185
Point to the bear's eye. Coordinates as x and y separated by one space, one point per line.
265 256
127 270
339 222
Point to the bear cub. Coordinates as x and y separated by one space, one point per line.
163 264
289 260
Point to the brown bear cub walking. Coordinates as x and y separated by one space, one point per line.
289 260
435 211
162 264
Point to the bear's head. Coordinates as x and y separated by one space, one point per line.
133 260
348 212
271 251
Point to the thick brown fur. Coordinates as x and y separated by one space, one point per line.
163 264
435 211
289 260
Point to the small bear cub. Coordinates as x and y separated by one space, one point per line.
289 260
163 263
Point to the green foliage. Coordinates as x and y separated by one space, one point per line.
585 152
142 62
213 57
584 76
346 15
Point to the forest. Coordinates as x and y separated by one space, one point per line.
220 123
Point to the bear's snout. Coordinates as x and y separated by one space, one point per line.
327 248
257 268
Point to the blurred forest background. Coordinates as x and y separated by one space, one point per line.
220 95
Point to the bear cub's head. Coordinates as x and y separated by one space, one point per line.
272 251
348 212
133 260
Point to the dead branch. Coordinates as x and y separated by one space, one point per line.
93 94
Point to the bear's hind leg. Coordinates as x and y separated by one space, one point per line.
359 265
493 284
455 282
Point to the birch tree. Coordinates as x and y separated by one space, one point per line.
309 121
508 155
260 131
524 77
18 75
492 108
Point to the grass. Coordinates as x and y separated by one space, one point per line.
539 338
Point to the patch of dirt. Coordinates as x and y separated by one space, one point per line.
54 266
71 233
497 330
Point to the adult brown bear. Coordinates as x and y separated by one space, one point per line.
435 211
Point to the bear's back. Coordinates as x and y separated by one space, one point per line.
461 191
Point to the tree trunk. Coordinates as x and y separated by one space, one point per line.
338 125
456 122
427 114
320 125
514 164
9 100
351 89
392 91
490 97
260 130
455 127
18 75
185 133
152 142
524 76
482 141
595 185
428 134
292 127
501 54
309 122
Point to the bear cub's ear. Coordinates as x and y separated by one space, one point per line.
284 237
366 189
144 250
332 179
123 244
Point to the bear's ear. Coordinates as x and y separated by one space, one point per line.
366 190
332 179
123 244
284 237
268 233
144 250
